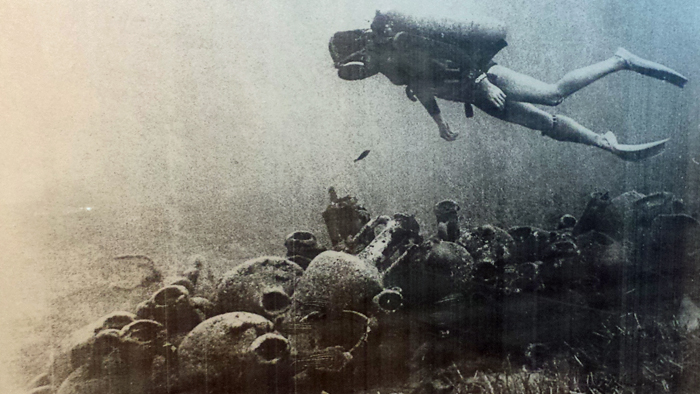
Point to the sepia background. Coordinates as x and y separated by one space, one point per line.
177 128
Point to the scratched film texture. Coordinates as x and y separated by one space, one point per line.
174 128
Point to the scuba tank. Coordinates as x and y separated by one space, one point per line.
479 39
484 31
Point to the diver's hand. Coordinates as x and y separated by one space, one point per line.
445 132
492 93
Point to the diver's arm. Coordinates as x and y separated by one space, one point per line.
491 92
430 104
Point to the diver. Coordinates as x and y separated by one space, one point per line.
454 62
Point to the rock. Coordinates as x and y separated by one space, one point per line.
129 272
42 390
689 318
41 380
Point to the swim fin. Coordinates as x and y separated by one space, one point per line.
635 152
651 69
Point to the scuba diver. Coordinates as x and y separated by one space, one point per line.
453 61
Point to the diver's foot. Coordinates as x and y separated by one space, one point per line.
649 68
607 142
637 152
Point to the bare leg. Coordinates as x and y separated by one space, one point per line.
521 87
561 128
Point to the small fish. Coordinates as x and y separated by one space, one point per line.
362 155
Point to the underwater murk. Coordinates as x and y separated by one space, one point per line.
167 225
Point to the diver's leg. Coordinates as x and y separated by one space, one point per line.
521 87
561 128
650 69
